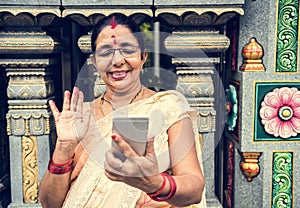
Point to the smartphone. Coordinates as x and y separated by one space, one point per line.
134 130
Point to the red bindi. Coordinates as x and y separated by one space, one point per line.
114 39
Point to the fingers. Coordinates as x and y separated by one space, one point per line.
79 105
54 109
74 102
125 148
150 147
74 99
66 104
112 161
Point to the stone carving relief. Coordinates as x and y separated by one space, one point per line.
30 169
280 112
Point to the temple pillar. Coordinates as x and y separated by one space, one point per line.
196 72
28 55
28 127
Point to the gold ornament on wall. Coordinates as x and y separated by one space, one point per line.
252 54
249 164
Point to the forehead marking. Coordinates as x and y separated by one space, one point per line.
113 23
114 39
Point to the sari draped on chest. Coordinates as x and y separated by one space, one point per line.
90 188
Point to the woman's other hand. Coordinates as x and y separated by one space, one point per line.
139 171
71 124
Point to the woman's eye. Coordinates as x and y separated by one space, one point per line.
105 53
128 50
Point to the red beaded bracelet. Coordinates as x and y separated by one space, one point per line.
61 168
161 188
171 193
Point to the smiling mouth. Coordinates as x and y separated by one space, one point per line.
119 74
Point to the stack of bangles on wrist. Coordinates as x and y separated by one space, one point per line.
155 196
61 168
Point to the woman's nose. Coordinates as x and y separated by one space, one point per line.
118 58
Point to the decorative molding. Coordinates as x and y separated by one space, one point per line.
197 16
29 79
196 42
30 87
282 179
35 123
23 64
32 42
30 169
249 164
195 79
195 84
29 16
88 17
206 119
207 63
287 36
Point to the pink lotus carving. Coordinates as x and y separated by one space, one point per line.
280 112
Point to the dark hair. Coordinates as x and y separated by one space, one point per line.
119 19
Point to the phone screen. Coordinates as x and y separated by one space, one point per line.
134 130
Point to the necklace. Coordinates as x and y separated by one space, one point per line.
102 99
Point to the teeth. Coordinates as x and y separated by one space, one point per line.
119 73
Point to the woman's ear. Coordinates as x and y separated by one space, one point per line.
144 56
92 58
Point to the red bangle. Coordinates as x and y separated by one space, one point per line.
171 193
161 188
59 170
69 162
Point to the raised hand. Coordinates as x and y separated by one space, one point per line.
71 123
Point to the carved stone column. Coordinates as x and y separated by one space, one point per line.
26 50
28 127
196 74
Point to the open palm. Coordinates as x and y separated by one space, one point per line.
71 124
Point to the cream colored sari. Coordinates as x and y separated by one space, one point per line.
90 187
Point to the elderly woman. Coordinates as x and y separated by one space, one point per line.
85 171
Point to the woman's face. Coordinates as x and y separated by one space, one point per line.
118 57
